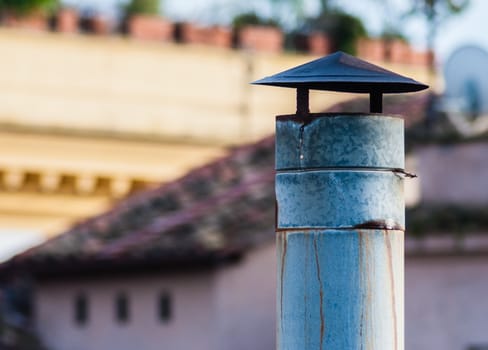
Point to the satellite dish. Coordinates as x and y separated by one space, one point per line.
466 92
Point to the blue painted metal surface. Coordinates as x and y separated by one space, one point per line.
340 232
340 289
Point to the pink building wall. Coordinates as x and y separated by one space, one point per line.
246 302
446 302
453 174
232 307
192 321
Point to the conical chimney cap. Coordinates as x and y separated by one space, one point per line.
345 73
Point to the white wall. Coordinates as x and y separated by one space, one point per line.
446 303
191 326
246 302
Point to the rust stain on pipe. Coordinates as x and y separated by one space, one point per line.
380 225
368 225
360 267
306 261
392 287
321 291
367 276
284 240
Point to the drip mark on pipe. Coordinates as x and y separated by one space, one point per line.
392 287
321 291
284 239
300 143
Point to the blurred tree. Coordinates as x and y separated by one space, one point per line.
251 18
435 12
26 7
390 34
344 29
296 9
142 7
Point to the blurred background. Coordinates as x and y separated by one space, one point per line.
136 165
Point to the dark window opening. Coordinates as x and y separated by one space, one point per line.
122 308
81 309
164 307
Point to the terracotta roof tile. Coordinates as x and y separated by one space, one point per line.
213 213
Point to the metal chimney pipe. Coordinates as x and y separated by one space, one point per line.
340 212
339 232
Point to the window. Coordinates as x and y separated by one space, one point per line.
164 307
81 309
122 308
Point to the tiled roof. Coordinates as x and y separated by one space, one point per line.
212 214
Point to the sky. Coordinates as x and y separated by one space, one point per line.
466 28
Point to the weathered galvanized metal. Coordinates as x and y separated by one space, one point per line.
340 199
342 72
340 212
340 221
344 144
